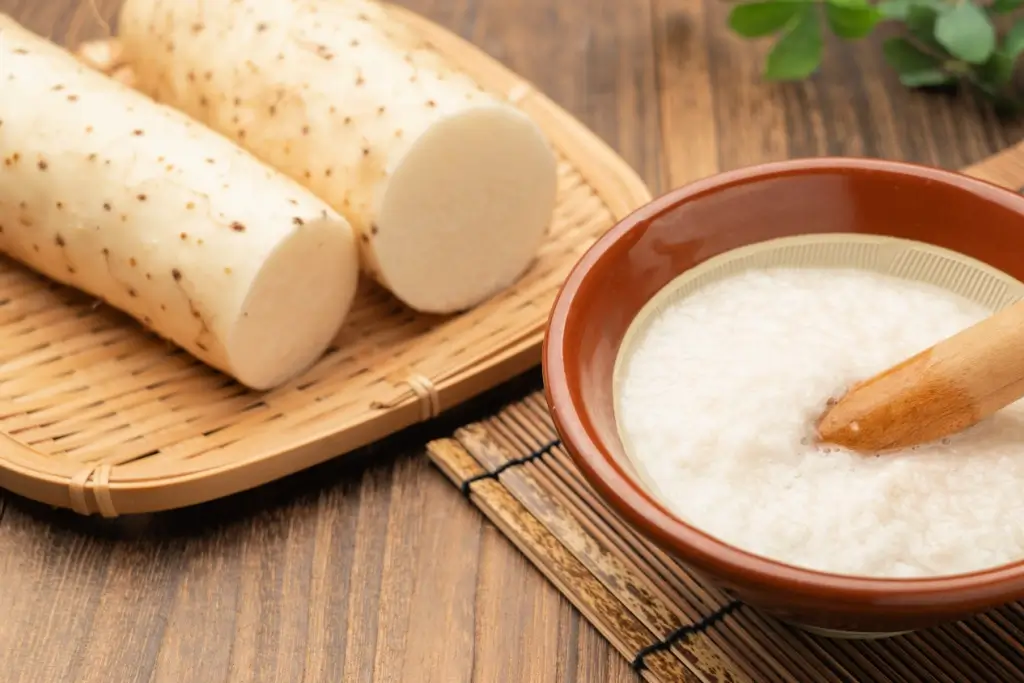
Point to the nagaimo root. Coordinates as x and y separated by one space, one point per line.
105 190
451 189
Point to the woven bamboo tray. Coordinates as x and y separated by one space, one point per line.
670 625
97 415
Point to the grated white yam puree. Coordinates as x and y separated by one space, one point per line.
718 402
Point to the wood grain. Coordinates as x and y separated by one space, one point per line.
376 569
935 393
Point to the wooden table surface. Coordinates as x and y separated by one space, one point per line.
375 569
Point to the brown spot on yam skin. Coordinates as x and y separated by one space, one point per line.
138 132
190 205
141 197
176 274
72 98
261 27
59 241
132 292
184 236
132 262
43 165
305 130
237 227
60 205
298 221
106 206
374 228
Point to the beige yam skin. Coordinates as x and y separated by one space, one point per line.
451 190
105 190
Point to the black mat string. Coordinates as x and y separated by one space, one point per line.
684 632
514 462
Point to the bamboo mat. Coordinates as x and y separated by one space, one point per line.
670 625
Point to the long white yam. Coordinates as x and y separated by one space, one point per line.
451 190
105 190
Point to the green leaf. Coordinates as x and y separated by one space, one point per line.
1005 6
894 9
915 67
967 32
1013 45
899 9
756 19
851 22
997 71
852 4
798 53
920 21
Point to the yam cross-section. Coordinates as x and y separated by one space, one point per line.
451 189
107 191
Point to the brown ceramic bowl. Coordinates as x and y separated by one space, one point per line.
648 249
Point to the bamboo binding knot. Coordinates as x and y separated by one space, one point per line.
426 393
97 478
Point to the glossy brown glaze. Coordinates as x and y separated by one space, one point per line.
936 393
680 230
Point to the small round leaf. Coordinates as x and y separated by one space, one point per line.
852 23
756 19
798 53
967 32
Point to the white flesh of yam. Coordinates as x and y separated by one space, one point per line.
105 190
452 190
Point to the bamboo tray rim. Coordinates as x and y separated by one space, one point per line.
114 489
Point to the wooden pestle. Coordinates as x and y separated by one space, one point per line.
936 393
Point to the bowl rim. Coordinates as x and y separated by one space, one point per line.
697 548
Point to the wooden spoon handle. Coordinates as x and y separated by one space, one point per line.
939 392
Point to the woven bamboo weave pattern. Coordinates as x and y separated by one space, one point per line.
100 416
